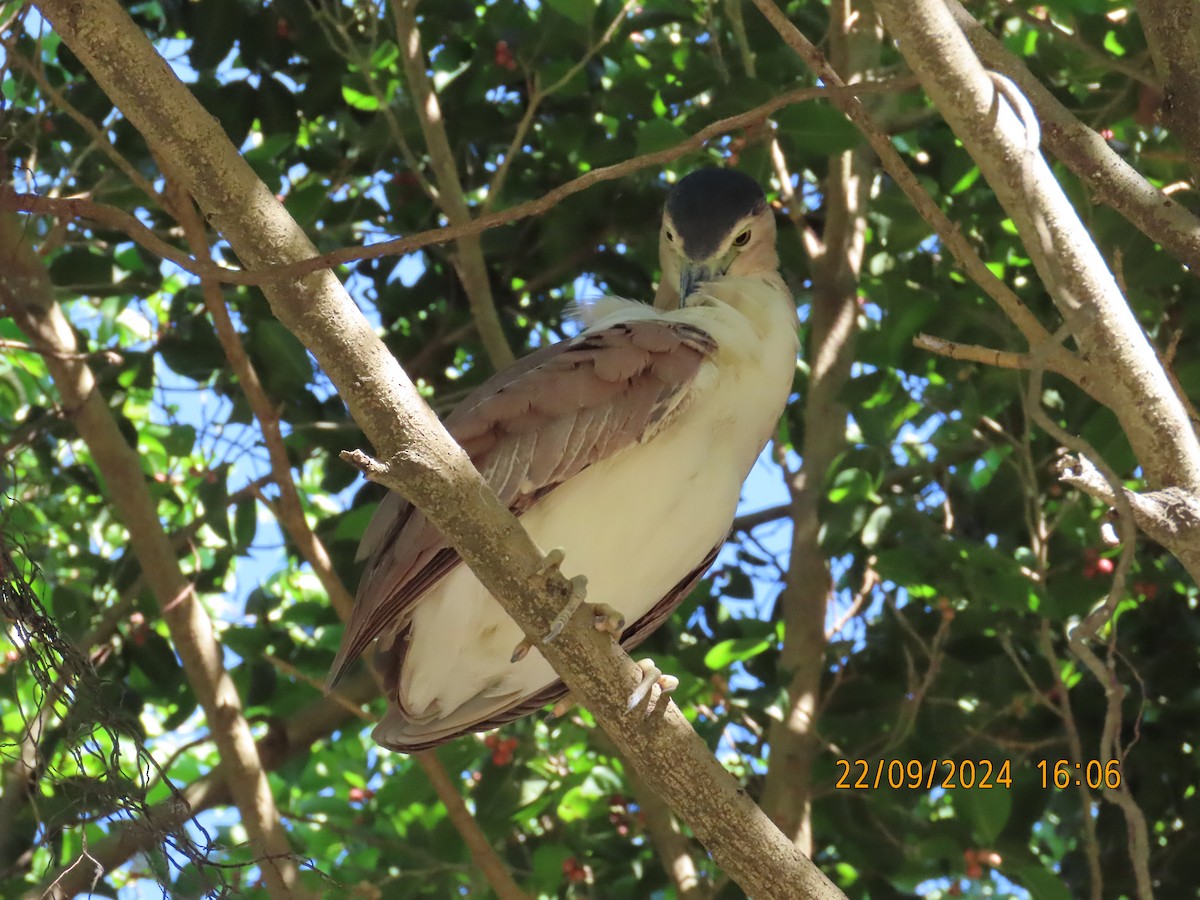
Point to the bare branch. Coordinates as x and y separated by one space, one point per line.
1111 180
1001 359
1104 327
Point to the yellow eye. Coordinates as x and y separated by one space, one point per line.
742 239
670 237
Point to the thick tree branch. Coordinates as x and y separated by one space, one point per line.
468 259
26 294
1111 180
423 462
1109 337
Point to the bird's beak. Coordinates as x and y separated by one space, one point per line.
695 273
691 275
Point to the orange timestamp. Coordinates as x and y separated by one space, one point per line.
949 774
1063 773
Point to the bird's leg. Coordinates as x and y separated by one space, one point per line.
605 617
652 678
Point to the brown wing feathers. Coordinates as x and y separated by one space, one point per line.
528 428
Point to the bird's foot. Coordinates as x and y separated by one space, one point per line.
604 618
561 708
654 685
578 595
553 560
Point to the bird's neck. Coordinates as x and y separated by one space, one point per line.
763 300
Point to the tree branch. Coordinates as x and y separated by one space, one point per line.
833 326
423 462
275 273
1108 335
1001 359
290 513
1111 180
27 296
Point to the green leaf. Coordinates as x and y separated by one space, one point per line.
817 127
728 652
986 809
581 12
658 134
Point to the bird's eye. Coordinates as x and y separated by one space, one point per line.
742 239
670 237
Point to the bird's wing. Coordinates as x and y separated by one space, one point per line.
528 429
397 732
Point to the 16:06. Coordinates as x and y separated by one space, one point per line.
1061 773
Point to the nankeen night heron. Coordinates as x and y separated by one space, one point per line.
626 446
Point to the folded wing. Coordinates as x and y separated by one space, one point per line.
528 429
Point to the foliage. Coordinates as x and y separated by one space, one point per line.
944 491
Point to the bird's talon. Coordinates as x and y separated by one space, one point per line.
652 677
578 595
561 708
605 618
521 650
551 560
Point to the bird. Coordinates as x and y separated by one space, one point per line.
623 449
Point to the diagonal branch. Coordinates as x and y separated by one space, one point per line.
1107 333
26 294
1110 178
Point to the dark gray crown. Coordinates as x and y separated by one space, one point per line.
708 204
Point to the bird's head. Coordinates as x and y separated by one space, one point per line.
717 222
